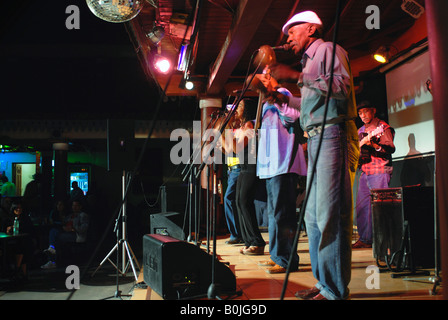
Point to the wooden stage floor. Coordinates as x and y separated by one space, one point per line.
256 284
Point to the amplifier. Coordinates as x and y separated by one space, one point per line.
406 215
177 269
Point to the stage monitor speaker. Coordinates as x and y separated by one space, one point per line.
396 209
177 269
167 224
120 145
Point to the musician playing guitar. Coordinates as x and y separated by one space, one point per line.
376 141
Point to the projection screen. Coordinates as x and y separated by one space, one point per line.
410 106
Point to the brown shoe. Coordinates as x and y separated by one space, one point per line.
276 269
266 263
307 293
254 251
318 297
361 245
243 249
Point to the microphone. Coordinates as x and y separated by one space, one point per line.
284 47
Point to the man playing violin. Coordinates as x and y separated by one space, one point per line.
376 140
280 162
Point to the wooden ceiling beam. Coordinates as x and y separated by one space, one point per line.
245 23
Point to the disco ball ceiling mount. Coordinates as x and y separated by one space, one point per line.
116 11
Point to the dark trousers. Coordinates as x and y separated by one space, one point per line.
246 188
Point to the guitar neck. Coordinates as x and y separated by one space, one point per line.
375 133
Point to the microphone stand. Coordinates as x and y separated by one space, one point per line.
213 290
194 191
207 209
436 279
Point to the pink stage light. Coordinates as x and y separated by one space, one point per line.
162 64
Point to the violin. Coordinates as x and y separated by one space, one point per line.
264 58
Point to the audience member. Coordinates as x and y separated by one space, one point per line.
32 198
58 215
8 188
74 230
22 246
76 194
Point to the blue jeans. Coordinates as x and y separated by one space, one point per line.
282 224
363 207
328 213
230 209
53 236
262 212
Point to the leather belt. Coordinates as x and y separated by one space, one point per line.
317 130
234 167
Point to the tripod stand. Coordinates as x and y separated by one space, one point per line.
126 249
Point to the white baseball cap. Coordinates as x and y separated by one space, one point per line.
302 17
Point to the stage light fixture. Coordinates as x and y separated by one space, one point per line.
162 64
156 35
189 85
413 8
382 55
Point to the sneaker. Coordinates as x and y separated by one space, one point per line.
50 250
49 265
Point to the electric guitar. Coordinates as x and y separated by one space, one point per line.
376 133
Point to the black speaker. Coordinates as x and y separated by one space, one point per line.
168 224
120 145
404 218
177 269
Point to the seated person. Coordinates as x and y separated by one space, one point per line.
74 230
22 247
58 215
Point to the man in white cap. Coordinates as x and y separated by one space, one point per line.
328 213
